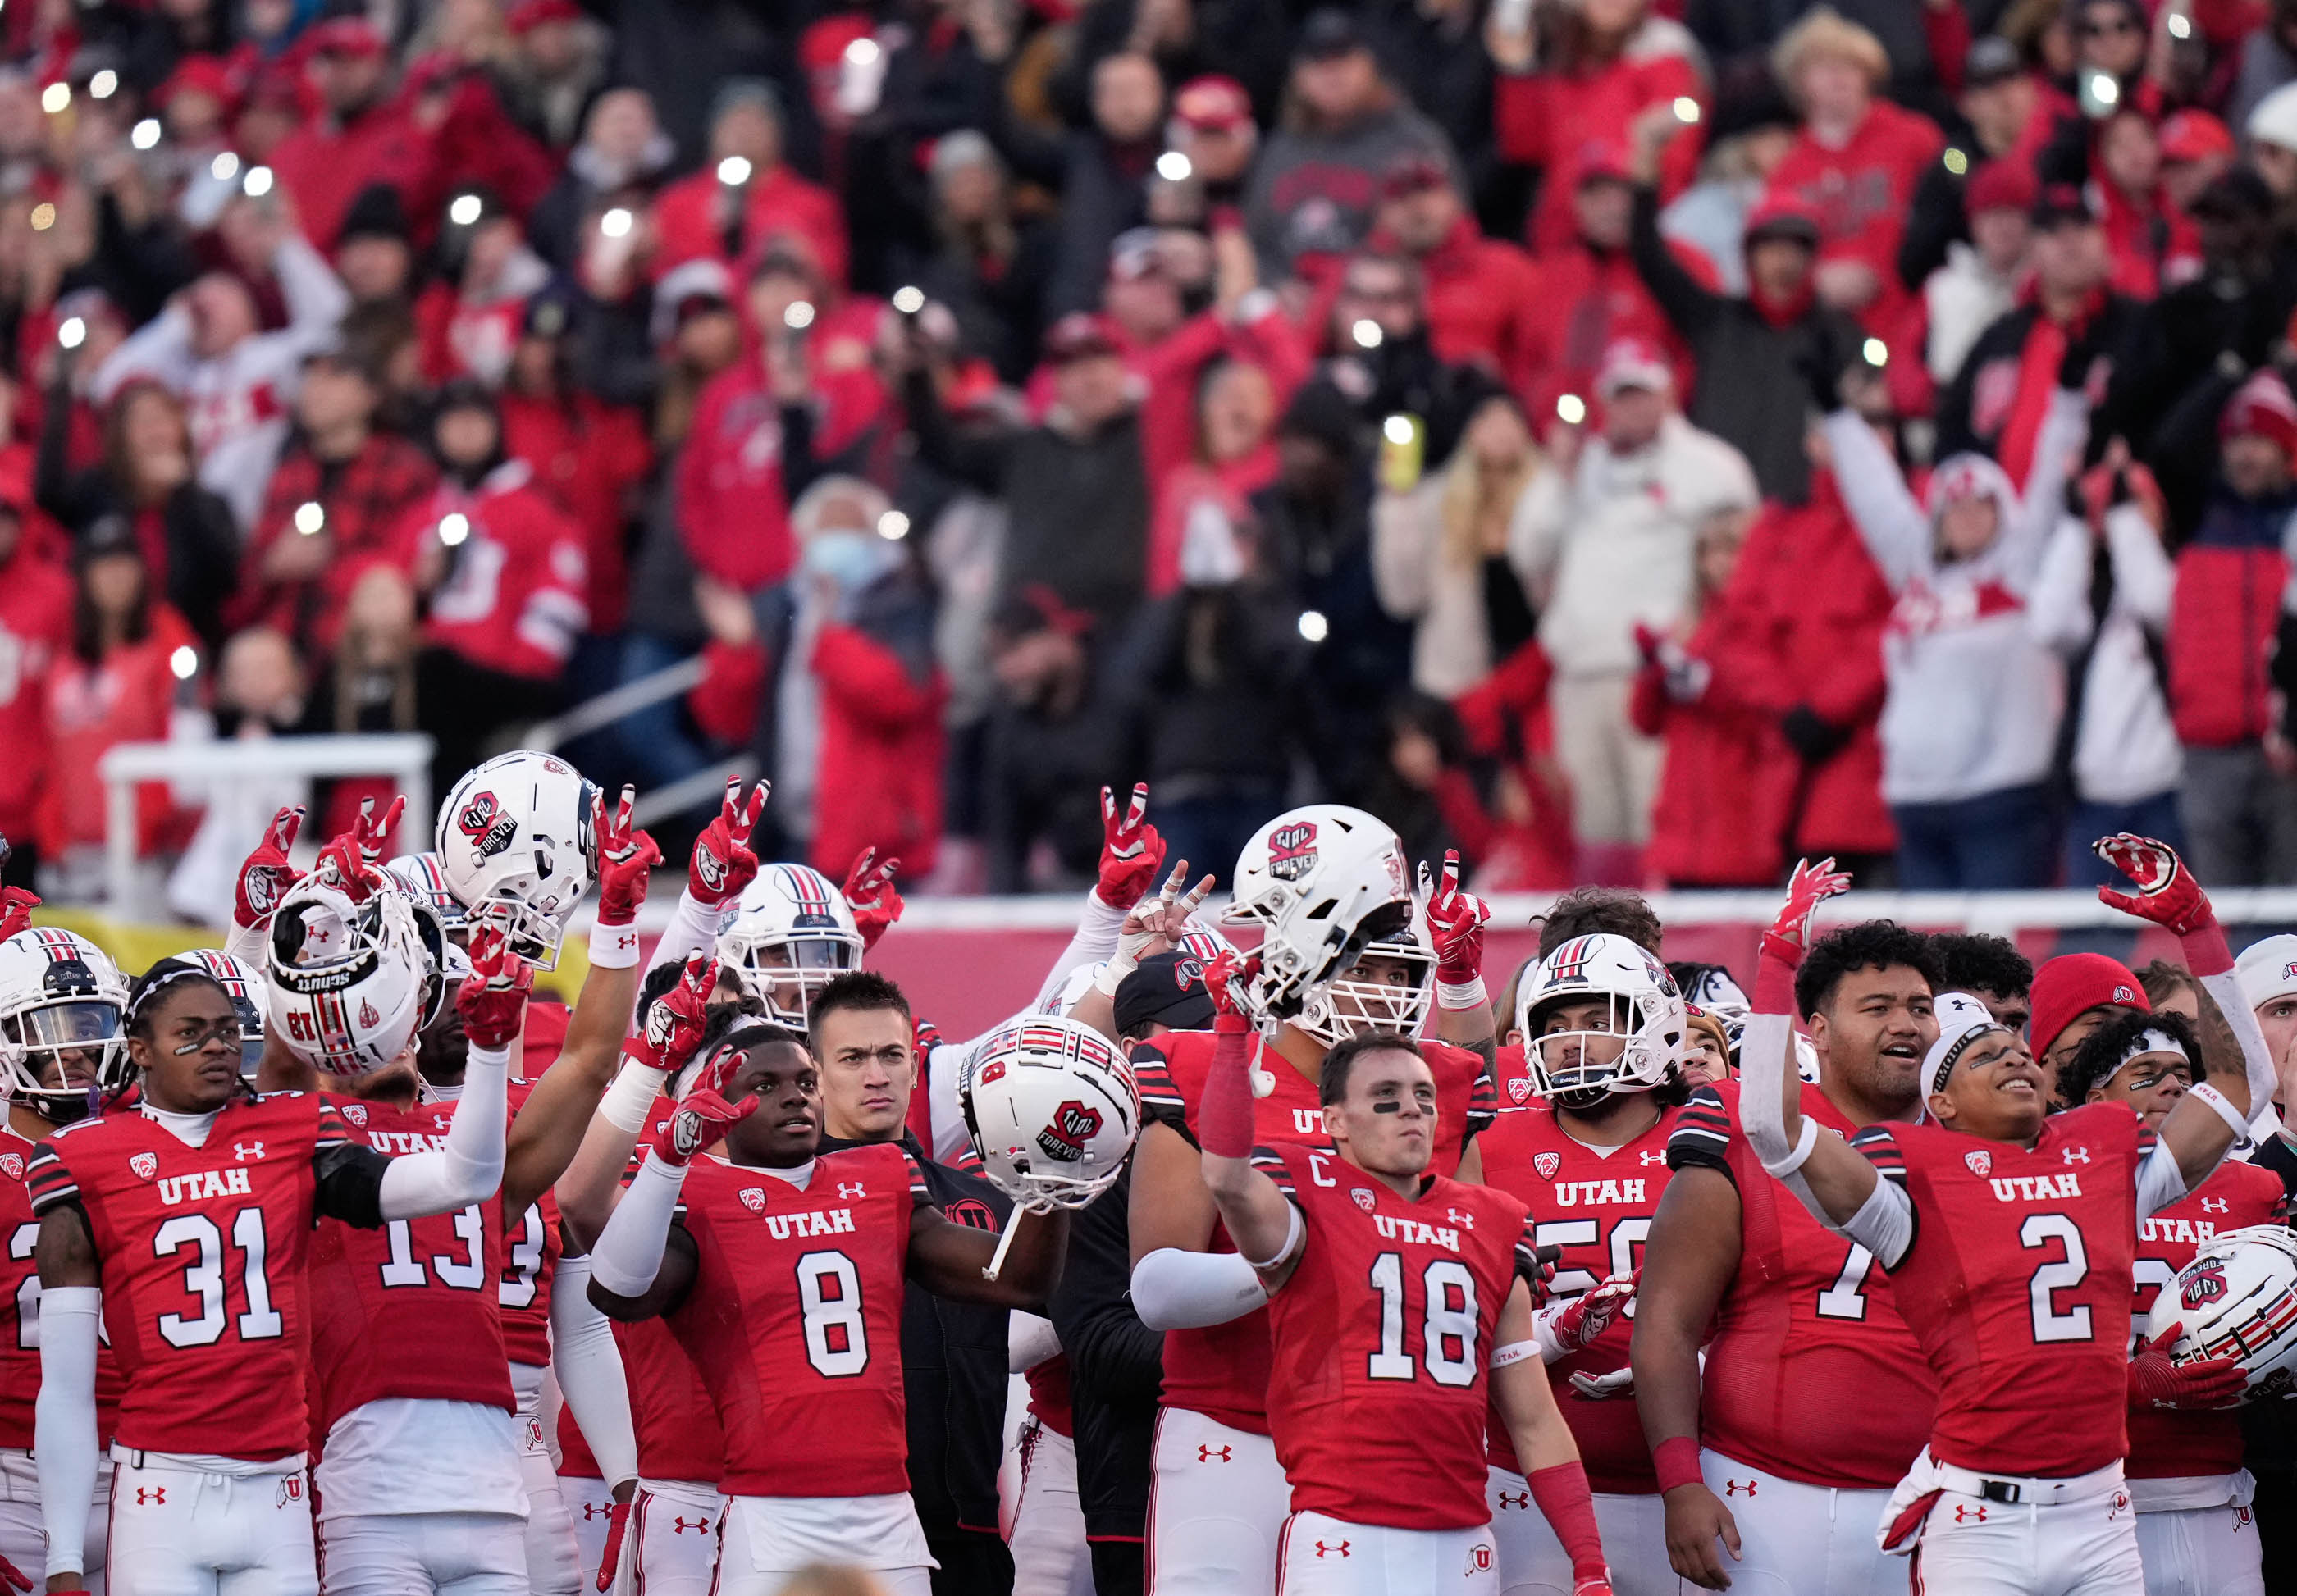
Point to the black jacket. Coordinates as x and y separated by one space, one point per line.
1117 1368
1965 424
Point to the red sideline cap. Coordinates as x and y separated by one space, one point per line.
1604 160
1213 104
1413 175
2071 985
1631 363
199 75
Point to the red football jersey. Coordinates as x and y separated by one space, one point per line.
1811 1373
1222 1371
575 1458
2016 1284
2168 1442
202 1254
1602 1200
1511 1082
675 1421
530 1263
795 1320
409 1309
1382 1337
1048 1395
19 1310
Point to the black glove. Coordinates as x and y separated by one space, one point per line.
1820 365
2084 344
1811 736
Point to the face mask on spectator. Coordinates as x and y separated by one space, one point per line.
1210 553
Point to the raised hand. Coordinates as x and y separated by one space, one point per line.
1455 924
722 864
492 1000
265 876
1131 851
869 892
673 1025
2167 893
1569 1326
625 855
704 1116
16 905
1160 919
352 861
2156 1381
1226 978
1811 885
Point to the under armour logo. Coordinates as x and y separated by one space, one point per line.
847 1193
1969 1515
2075 1154
1465 1221
591 1509
2215 1204
1324 1550
1514 1499
1731 1488
148 1496
1206 1454
244 1150
678 1526
1650 1155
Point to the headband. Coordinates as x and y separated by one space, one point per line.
1963 1020
2152 1041
157 979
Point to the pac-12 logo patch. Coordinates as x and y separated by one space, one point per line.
1981 1162
1292 850
754 1199
1547 1163
145 1164
1365 1199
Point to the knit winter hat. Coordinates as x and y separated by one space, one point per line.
2069 986
2263 405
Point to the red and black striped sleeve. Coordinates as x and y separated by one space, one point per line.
1701 1137
1271 1161
1482 1101
48 1179
1879 1144
1161 1101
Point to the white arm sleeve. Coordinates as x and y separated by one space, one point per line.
2225 989
1095 939
1175 1290
693 929
469 1168
1762 1081
1029 1341
63 1433
2159 1182
249 944
1884 1224
589 1368
629 1252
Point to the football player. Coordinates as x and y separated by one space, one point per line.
1602 1026
2186 1482
1392 1291
781 1270
196 1207
61 1047
1814 1397
1340 955
2010 1239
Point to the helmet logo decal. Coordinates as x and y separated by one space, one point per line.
482 821
1568 963
1073 1124
2204 1284
1292 851
367 1016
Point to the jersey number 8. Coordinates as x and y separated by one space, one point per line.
1447 1331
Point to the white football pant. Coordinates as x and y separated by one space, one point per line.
589 1509
2085 1547
23 1538
1049 1554
186 1532
1323 1556
670 1548
768 1538
1533 1563
1217 1502
1798 1539
412 1554
2201 1551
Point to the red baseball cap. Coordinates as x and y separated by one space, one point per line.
2001 186
2069 986
345 36
2195 136
530 14
1603 160
2261 407
199 75
1413 175
1632 362
1782 215
1080 335
1213 104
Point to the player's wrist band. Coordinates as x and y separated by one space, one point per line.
2206 950
1292 1232
2224 1109
1675 1462
1514 1352
1793 1161
613 946
1113 971
625 1103
1466 994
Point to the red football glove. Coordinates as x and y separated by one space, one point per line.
1570 1326
265 876
1131 851
2156 1382
625 855
1455 924
492 1000
352 861
1811 885
722 864
618 1519
703 1117
2167 893
870 893
16 905
9 1571
1536 1267
1226 977
673 1025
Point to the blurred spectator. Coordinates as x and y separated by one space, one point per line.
36 630
2196 151
2268 59
1440 553
469 318
375 251
2008 121
1203 501
1587 295
989 265
504 572
555 65
2272 130
364 134
2150 243
335 505
208 348
116 684
1211 128
2070 321
1046 747
2102 602
1856 164
1103 172
746 197
184 533
1974 695
1310 202
1605 541
1185 38
2109 39
1385 355
622 155
1979 280
1709 219
1480 292
1776 341
1571 88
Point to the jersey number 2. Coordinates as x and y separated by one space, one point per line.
2062 1274
203 1279
1447 1331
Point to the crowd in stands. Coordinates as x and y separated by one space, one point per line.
1630 441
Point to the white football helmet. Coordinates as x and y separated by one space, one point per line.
1328 887
243 983
2237 1299
792 934
1052 1110
60 1001
419 876
516 849
348 982
1635 1048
